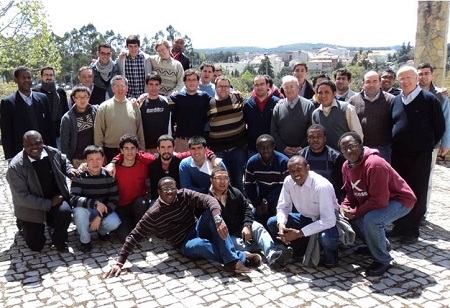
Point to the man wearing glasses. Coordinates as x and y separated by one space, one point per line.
104 69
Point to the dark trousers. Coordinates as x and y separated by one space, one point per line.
130 216
58 219
110 153
415 169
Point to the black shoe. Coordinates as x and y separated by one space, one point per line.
364 250
252 260
280 258
393 234
61 247
423 221
86 247
104 237
408 240
377 268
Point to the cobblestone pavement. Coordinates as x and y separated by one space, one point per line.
158 276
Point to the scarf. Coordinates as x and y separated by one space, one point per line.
105 70
55 103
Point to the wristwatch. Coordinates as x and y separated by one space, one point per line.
218 219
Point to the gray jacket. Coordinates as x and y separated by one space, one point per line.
26 191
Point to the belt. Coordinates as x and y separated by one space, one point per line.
183 138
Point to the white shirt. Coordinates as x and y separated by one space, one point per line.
314 199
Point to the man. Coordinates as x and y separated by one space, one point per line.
134 65
264 176
86 78
426 76
323 159
104 69
170 70
37 179
300 71
373 107
247 234
315 83
195 171
94 197
57 99
387 82
172 218
227 135
291 118
116 117
418 125
258 110
155 112
313 197
22 111
343 78
189 111
177 52
207 83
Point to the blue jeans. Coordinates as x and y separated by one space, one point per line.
328 239
235 161
261 240
203 242
83 218
371 228
385 151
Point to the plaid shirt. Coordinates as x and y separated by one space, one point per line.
135 73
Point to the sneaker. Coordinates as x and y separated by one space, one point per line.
253 260
61 247
377 268
236 267
86 247
280 258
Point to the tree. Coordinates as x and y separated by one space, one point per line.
265 67
25 37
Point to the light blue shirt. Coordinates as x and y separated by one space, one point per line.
408 99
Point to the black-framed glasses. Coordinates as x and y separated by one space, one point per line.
168 189
350 147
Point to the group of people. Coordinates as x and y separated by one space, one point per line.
154 147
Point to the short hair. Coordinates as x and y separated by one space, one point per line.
160 42
268 79
219 168
166 137
207 64
297 157
119 77
317 127
355 135
77 89
343 71
20 69
103 45
217 67
314 80
128 138
92 149
425 65
49 68
406 68
371 72
265 136
133 39
222 77
388 70
165 179
300 64
153 76
190 72
289 78
329 83
83 68
194 140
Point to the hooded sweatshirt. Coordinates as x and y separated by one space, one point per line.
372 183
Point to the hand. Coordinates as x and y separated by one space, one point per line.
83 167
57 200
134 102
444 91
142 98
74 173
346 212
101 208
216 162
111 169
122 54
442 152
113 272
222 229
287 235
246 234
95 224
291 151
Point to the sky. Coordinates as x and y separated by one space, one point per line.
263 23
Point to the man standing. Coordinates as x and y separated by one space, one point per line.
247 234
117 117
313 197
264 176
86 78
177 52
373 107
342 78
37 179
22 111
291 118
418 125
57 99
388 81
172 218
104 69
258 110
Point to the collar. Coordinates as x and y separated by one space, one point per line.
408 99
43 155
333 104
371 99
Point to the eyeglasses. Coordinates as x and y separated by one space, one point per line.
85 98
289 87
221 178
387 77
121 86
350 147
168 189
223 87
